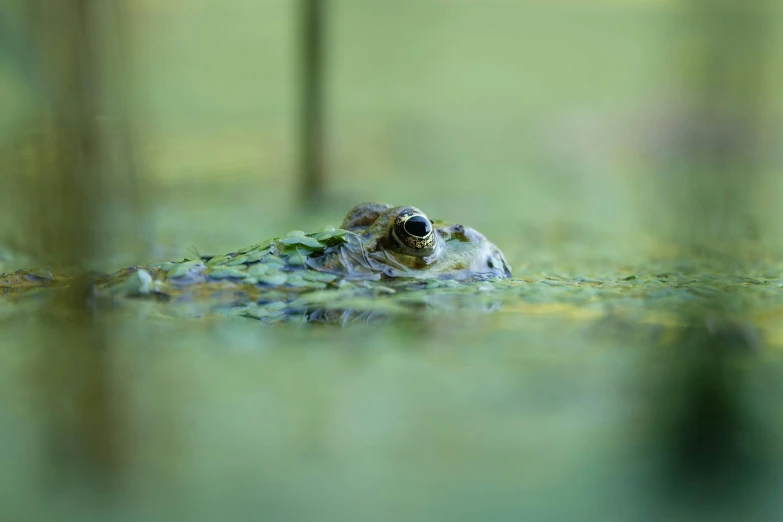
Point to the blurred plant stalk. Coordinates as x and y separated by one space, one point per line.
726 66
713 451
74 190
312 168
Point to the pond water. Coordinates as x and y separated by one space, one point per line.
595 385
553 407
627 373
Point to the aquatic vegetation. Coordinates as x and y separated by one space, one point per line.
394 262
378 251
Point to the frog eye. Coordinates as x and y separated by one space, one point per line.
413 234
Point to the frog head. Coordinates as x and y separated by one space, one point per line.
404 242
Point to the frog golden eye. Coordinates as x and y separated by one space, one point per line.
413 234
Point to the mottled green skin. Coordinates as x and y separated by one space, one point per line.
462 252
332 264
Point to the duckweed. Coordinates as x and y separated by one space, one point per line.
305 241
257 255
274 279
298 281
237 260
258 269
256 247
43 274
228 272
328 234
218 260
183 269
322 277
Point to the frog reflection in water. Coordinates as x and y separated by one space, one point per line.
375 242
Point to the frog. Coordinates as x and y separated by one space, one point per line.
378 250
401 242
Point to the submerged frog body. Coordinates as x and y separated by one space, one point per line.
398 245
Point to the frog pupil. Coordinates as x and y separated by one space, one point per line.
418 226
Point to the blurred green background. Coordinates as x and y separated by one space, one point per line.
579 136
537 123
